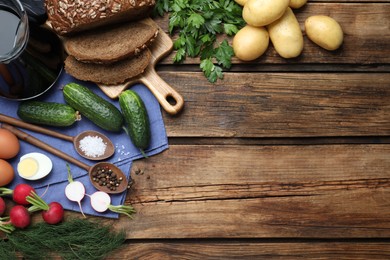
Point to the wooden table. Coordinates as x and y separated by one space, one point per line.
282 159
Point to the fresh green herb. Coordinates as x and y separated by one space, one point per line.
72 239
6 250
198 23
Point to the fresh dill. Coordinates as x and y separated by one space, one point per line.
71 239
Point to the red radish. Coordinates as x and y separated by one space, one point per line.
101 201
19 193
53 213
19 216
75 190
2 206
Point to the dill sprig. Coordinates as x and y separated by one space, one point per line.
72 239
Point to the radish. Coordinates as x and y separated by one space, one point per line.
19 194
75 190
53 213
2 206
19 216
21 191
101 201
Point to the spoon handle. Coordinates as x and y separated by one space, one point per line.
38 143
35 128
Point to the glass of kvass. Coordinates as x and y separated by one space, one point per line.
30 54
14 30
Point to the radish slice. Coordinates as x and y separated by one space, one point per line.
75 190
100 201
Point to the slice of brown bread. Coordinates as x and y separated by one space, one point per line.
109 74
111 43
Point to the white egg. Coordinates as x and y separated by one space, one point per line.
34 166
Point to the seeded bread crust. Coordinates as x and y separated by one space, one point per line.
109 74
70 16
111 43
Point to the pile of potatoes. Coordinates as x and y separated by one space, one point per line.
275 21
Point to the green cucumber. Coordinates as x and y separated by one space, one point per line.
47 113
136 119
100 111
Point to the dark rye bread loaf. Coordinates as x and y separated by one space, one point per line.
109 74
69 16
111 43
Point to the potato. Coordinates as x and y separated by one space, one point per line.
241 2
286 35
324 31
250 42
295 4
263 12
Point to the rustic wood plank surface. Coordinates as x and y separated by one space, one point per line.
322 191
283 159
249 249
281 105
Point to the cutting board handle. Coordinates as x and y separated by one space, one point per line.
171 101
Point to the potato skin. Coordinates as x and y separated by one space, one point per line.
295 4
286 35
263 12
250 42
241 2
324 31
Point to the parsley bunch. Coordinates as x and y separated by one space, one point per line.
198 23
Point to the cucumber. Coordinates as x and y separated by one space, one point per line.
47 113
136 119
101 112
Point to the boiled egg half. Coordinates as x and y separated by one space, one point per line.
34 166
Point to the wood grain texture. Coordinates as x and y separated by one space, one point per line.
336 191
253 250
281 105
205 200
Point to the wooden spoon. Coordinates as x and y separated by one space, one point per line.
110 149
91 169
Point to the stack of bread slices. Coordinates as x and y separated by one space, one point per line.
112 54
107 41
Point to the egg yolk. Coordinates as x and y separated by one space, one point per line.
28 167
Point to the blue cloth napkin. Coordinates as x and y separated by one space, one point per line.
52 187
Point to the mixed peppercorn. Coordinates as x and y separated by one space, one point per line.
104 176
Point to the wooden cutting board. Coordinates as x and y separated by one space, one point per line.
171 101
